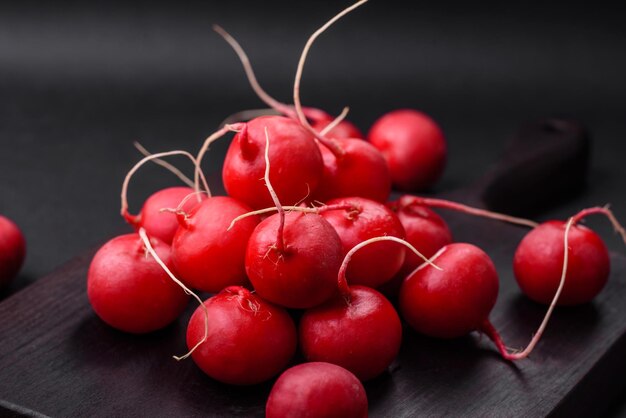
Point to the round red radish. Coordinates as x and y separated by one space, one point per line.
317 390
129 290
454 301
249 340
414 147
362 336
12 250
424 229
361 171
304 273
295 158
320 120
159 224
376 263
538 264
206 254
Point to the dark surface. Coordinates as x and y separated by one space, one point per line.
79 82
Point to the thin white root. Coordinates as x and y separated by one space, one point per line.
165 165
124 193
146 241
335 122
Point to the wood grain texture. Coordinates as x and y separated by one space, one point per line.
58 359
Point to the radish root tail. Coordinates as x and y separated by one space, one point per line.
344 289
146 241
491 332
124 193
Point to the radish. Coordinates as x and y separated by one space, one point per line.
358 329
246 341
157 222
12 250
317 390
129 290
538 259
360 171
414 147
206 253
295 156
366 219
424 229
292 258
153 217
454 301
321 120
349 164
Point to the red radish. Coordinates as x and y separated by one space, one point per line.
320 121
362 336
425 230
302 274
207 254
129 290
538 261
157 222
12 250
249 340
414 147
317 390
365 219
455 300
358 329
292 258
360 171
295 157
349 164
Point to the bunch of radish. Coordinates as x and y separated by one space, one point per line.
306 231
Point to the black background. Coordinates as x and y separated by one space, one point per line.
80 81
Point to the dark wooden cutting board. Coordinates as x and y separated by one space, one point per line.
57 358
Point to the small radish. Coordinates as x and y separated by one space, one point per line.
157 222
12 250
317 390
207 254
425 230
292 258
153 218
351 167
295 157
538 261
248 340
362 335
300 272
360 171
129 290
362 220
414 147
320 120
359 329
455 300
